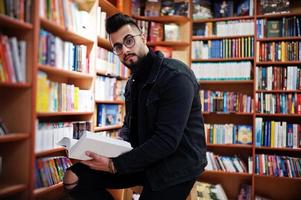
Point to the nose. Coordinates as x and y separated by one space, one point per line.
125 49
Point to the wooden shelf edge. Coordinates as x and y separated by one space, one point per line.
104 43
222 19
164 19
169 43
109 102
13 137
52 114
108 7
215 172
277 15
103 73
278 63
279 39
14 85
64 33
277 115
45 190
9 189
284 149
222 59
226 82
196 38
277 178
239 146
228 113
7 21
49 151
278 91
65 73
106 128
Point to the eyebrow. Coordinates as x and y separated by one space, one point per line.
122 39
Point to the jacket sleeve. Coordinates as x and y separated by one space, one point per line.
173 112
125 131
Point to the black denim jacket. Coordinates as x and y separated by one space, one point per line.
171 144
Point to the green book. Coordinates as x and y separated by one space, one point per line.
273 28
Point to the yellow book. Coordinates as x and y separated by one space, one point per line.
42 93
76 91
272 133
283 51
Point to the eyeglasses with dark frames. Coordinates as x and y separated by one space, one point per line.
128 41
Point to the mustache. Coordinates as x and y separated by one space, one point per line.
127 55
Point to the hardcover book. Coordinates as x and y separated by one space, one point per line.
273 28
102 145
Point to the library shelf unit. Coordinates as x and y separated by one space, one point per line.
55 191
16 107
52 152
271 186
231 182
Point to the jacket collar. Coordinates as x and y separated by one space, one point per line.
155 68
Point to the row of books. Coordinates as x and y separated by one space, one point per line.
163 32
61 97
225 48
278 78
277 134
109 63
101 21
224 28
278 103
222 70
267 7
49 133
109 89
217 9
12 59
50 170
281 166
19 10
228 134
160 7
67 14
223 101
225 163
278 51
109 114
285 27
53 51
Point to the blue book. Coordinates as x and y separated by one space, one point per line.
111 112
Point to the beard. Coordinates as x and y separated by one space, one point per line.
132 65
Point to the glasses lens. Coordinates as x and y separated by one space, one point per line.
129 42
117 49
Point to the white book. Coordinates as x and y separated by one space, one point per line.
99 144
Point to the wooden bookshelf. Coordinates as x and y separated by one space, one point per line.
11 189
13 137
51 192
278 63
278 39
275 16
55 151
102 73
278 91
11 23
222 82
108 7
104 43
107 128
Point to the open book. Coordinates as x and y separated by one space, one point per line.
102 145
